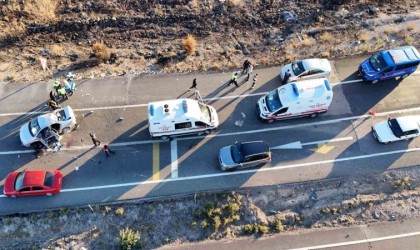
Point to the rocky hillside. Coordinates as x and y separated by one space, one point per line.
145 36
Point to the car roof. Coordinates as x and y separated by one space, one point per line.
304 90
34 178
316 63
404 54
408 123
254 147
47 119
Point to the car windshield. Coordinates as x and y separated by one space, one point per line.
298 68
377 62
236 153
49 179
205 112
19 180
273 101
395 127
34 127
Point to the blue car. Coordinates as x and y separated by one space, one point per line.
392 63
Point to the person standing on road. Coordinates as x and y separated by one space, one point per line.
52 96
234 79
245 66
95 140
194 85
61 91
107 150
286 76
56 85
249 71
254 81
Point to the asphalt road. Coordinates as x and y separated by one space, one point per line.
335 144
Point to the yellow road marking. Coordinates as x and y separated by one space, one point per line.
322 148
155 161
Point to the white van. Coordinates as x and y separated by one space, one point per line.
181 117
296 99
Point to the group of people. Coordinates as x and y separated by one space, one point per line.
97 142
247 69
61 91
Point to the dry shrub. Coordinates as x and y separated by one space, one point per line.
12 28
43 11
101 52
57 50
389 30
364 36
325 54
307 41
189 44
326 37
411 26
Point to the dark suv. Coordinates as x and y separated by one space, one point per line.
244 155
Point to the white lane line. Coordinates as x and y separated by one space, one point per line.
122 144
250 171
145 105
349 138
354 242
174 159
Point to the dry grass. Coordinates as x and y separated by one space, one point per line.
101 52
389 30
364 36
189 44
325 54
411 26
57 50
307 41
12 29
326 37
43 11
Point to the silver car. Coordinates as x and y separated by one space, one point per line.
244 155
307 69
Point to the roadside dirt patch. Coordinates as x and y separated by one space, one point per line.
392 195
146 37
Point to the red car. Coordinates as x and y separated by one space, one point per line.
27 182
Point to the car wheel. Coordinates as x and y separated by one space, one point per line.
207 132
374 81
313 115
66 130
404 76
48 194
165 138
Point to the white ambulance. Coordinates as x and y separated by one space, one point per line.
181 117
296 99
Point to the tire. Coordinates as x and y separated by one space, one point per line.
48 194
404 76
70 93
165 138
207 132
66 130
313 115
374 81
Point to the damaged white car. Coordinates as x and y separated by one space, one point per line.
45 130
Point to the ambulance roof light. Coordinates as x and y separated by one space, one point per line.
327 84
151 110
295 89
185 106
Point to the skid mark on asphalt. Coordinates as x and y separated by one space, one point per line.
156 163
